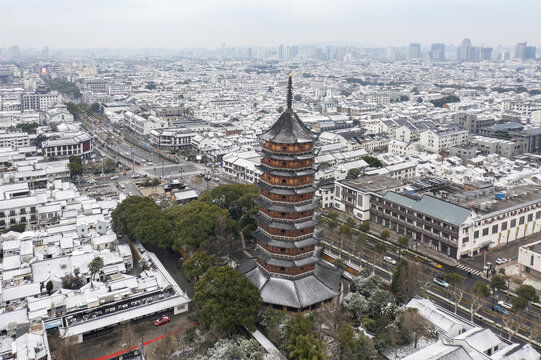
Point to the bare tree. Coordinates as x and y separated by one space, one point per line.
415 324
480 292
165 348
455 281
128 335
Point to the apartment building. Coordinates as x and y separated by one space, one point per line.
40 102
67 144
443 138
173 139
14 140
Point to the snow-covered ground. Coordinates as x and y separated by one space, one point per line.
404 351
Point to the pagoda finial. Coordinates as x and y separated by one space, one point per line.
290 92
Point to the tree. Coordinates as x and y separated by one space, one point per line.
455 281
380 249
497 283
128 335
403 242
353 174
385 234
351 223
356 304
193 223
297 97
528 293
362 239
150 85
364 226
415 324
405 280
29 128
238 199
345 231
346 335
72 282
373 161
95 265
75 166
364 348
480 291
49 287
339 263
197 264
307 347
445 100
280 110
167 346
226 299
511 320
300 341
142 220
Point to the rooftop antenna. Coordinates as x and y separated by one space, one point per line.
289 92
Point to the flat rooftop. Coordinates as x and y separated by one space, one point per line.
484 200
375 183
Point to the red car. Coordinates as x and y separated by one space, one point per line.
162 320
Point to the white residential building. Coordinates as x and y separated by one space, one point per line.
443 137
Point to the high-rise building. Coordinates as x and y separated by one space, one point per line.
486 54
287 269
249 53
281 52
437 52
524 52
414 51
464 51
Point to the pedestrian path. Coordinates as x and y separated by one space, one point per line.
468 269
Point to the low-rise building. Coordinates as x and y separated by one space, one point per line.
67 144
443 138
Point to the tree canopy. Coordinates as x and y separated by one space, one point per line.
142 220
197 264
353 174
445 100
193 223
226 299
75 166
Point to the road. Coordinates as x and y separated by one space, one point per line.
365 256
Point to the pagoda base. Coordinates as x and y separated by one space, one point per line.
295 295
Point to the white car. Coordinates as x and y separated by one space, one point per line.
500 261
114 177
390 260
122 186
505 305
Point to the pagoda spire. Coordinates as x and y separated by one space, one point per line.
290 92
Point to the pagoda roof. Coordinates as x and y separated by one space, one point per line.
285 191
287 157
289 225
288 129
287 244
281 207
323 284
286 172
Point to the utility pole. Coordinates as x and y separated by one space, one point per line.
132 161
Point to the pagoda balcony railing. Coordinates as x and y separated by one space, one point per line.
288 148
286 165
287 182
287 238
297 201
286 218
287 257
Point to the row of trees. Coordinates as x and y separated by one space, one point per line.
65 87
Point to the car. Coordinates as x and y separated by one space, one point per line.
122 186
390 260
162 320
438 266
441 282
149 163
500 309
505 305
114 177
500 261
135 176
130 193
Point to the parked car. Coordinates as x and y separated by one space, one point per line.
500 261
114 177
122 186
390 260
441 282
500 309
505 305
162 320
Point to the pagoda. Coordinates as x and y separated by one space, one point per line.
286 266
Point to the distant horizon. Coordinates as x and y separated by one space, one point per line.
181 24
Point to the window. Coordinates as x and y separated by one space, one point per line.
504 226
485 231
531 260
530 217
521 220
476 234
537 215
513 223
494 229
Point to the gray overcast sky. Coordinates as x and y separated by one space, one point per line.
209 23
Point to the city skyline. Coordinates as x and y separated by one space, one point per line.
177 25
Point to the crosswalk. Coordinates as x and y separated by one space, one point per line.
468 269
